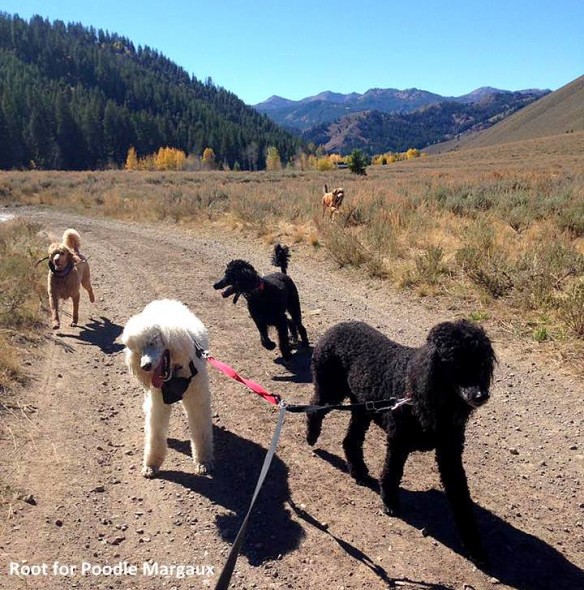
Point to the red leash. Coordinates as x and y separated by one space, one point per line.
255 387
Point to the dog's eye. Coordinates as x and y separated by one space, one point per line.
154 340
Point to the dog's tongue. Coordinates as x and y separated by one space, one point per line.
157 375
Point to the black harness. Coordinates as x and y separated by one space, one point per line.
173 388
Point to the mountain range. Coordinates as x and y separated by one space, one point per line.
382 120
328 106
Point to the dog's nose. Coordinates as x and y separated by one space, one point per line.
475 396
480 396
146 365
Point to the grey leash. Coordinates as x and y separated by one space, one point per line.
227 572
380 406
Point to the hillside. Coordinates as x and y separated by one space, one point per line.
561 112
376 132
75 98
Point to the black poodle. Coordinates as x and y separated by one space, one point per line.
268 299
436 387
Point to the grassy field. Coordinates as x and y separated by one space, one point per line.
500 229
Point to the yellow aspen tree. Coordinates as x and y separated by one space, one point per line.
132 159
209 158
324 164
273 161
179 159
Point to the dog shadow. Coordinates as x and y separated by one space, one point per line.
516 558
298 365
271 531
101 333
359 555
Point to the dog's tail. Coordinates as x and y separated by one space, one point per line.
281 257
72 240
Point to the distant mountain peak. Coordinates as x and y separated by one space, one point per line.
274 102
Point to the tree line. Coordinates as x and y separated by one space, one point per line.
74 98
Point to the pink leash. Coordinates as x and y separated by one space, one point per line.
255 387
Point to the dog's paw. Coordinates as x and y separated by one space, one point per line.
311 438
365 480
313 429
73 324
361 476
149 472
268 344
390 510
204 468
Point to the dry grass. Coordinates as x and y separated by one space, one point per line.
21 290
502 229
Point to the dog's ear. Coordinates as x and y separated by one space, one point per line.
325 191
464 348
421 384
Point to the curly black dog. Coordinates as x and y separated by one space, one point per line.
438 384
268 299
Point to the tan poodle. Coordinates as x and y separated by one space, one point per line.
68 271
332 201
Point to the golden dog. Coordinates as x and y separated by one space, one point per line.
332 201
68 271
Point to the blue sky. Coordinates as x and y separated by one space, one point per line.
294 49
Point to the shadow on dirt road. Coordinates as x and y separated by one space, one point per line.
271 532
517 559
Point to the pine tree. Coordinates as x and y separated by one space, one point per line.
357 163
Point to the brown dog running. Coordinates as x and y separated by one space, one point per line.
332 201
68 271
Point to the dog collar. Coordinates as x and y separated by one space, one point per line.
258 289
61 273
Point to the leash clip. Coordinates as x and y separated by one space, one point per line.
371 406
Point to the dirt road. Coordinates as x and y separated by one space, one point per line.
78 453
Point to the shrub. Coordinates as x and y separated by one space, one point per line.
344 247
484 263
429 264
571 308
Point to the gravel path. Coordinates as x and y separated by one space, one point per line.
79 452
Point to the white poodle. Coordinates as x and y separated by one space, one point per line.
161 354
